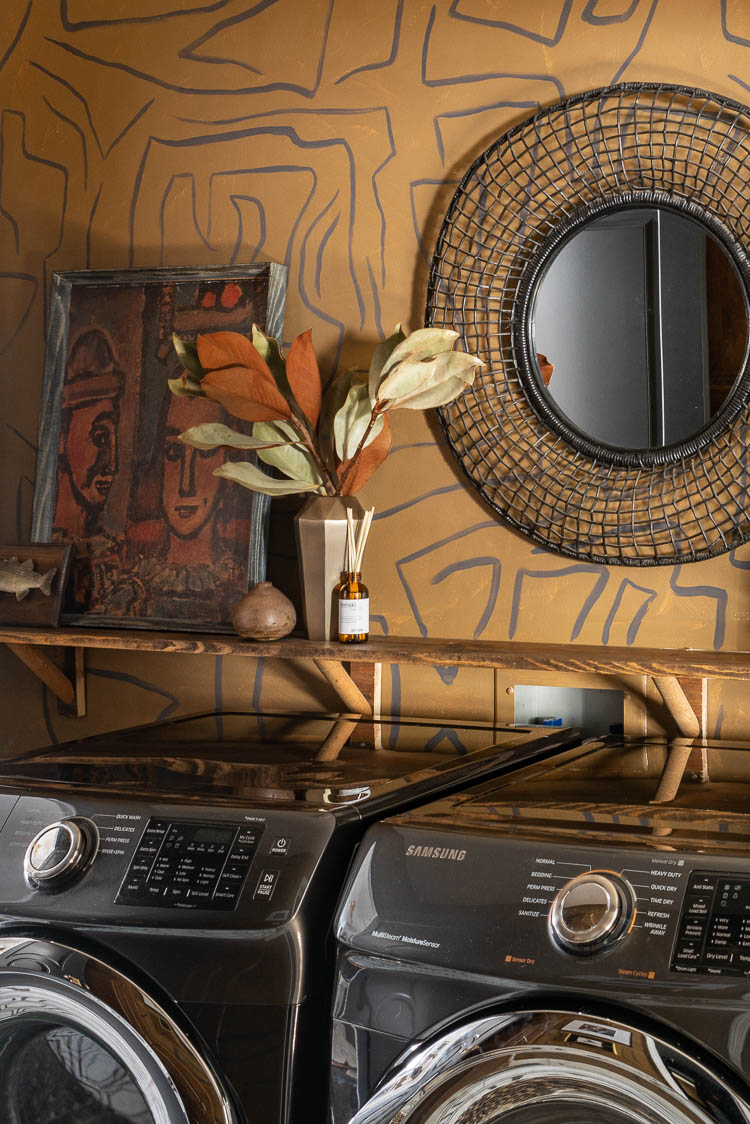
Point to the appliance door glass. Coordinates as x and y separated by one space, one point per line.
552 1067
80 1043
55 1072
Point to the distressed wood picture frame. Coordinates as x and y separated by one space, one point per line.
159 541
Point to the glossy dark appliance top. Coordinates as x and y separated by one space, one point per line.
270 760
229 813
604 790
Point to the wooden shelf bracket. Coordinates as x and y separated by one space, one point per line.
679 674
354 701
71 692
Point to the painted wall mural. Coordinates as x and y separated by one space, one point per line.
330 138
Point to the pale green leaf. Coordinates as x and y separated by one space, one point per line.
422 344
293 460
380 357
282 430
269 350
437 395
250 476
352 420
333 400
414 376
213 435
187 353
186 387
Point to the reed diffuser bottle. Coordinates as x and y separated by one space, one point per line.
354 609
353 594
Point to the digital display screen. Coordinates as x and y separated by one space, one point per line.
213 834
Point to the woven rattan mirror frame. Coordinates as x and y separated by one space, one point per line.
627 145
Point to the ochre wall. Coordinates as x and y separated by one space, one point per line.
328 135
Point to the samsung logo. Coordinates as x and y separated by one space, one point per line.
420 852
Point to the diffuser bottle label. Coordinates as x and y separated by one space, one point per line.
354 615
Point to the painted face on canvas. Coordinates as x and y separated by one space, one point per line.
190 491
91 396
91 450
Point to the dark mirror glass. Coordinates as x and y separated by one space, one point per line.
639 327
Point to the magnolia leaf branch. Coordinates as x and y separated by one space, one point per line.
322 438
309 444
346 474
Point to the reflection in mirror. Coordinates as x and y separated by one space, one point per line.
639 327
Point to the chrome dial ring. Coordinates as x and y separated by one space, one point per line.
591 911
60 851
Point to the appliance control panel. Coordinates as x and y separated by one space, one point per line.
197 865
561 912
714 932
159 864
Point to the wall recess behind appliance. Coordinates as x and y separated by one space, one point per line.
640 707
593 711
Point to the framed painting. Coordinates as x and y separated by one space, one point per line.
159 541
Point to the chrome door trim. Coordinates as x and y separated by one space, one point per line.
484 1068
49 979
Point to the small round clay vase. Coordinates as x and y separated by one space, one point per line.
264 613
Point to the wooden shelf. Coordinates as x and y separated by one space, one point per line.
406 650
673 670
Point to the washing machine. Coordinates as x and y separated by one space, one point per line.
166 899
552 946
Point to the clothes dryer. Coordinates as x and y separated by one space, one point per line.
166 897
553 947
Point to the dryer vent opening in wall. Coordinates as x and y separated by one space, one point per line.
592 711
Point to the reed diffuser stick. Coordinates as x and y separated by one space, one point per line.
350 539
364 531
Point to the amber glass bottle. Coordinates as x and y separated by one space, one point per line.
354 609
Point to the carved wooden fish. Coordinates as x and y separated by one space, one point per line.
21 577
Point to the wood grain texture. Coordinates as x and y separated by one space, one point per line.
336 739
345 687
674 769
679 707
412 650
695 692
43 667
364 677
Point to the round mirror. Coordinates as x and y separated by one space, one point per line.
639 328
596 258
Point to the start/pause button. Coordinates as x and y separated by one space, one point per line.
266 884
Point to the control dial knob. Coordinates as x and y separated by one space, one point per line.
591 911
61 852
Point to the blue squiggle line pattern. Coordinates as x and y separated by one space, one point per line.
598 572
17 37
198 151
710 591
518 29
370 66
136 681
635 623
